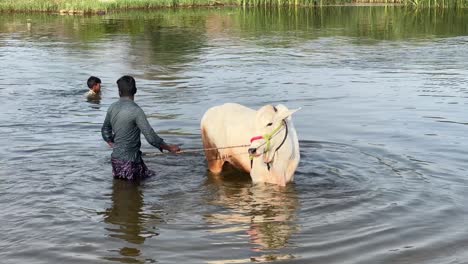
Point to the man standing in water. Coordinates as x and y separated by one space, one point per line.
124 122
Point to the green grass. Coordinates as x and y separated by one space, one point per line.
438 3
89 6
92 6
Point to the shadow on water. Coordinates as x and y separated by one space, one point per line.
167 37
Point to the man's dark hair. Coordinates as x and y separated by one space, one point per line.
126 86
93 80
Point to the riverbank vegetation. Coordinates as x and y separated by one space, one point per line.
366 24
102 6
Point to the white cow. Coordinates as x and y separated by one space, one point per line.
270 151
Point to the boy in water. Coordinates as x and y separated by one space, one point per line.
94 85
124 123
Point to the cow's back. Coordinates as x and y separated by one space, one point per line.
225 126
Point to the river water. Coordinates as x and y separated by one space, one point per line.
382 129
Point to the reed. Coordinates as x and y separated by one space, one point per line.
92 6
438 3
178 32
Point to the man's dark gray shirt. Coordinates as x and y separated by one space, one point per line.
124 123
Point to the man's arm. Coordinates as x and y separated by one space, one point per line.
170 148
151 136
106 130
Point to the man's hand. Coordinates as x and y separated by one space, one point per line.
111 144
172 148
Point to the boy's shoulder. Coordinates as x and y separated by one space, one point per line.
91 93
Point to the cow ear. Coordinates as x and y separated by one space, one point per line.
284 112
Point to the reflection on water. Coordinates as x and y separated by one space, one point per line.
163 39
126 220
263 214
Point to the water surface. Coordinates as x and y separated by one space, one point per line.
382 131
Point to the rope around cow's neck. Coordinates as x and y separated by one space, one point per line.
267 139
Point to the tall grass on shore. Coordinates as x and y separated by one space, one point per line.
438 3
417 3
92 6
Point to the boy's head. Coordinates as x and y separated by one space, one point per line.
127 86
94 83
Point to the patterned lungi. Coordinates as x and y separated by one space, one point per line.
129 170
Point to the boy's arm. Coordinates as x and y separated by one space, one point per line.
106 130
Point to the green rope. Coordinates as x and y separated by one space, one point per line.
268 137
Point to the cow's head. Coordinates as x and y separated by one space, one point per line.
271 131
